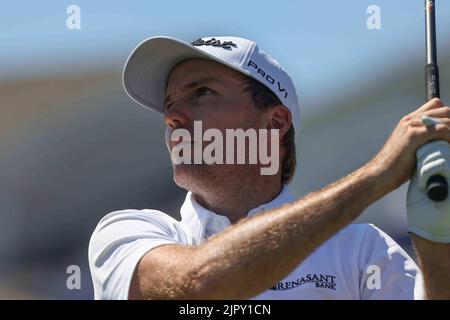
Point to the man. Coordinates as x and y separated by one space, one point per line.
242 234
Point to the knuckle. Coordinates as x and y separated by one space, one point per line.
410 123
437 102
446 109
442 128
406 118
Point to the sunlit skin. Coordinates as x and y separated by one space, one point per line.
253 254
210 92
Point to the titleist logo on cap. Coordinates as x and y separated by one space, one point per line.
213 42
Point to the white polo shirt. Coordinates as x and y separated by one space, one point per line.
359 262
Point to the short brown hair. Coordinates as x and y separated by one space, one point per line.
264 98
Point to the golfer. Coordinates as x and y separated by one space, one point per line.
243 234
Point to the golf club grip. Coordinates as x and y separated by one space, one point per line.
432 81
437 187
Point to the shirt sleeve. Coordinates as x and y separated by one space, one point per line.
120 240
387 271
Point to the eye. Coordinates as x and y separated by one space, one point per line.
203 91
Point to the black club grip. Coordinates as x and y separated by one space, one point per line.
432 81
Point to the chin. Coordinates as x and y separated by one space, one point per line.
190 177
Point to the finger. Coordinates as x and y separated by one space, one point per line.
442 132
439 131
416 123
432 104
430 121
442 112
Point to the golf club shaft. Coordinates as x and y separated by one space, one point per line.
431 70
437 187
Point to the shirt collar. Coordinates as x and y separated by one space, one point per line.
203 223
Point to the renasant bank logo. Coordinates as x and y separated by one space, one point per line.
188 149
325 281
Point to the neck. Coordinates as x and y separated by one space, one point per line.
236 202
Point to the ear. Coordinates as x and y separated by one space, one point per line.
280 118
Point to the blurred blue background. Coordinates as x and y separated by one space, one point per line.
74 147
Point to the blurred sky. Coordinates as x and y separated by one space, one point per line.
325 45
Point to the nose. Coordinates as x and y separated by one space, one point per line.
175 117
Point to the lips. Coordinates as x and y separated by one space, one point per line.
183 142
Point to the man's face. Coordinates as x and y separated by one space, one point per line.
207 91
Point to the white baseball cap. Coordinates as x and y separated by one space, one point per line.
149 64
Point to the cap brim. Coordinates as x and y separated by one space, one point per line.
149 64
